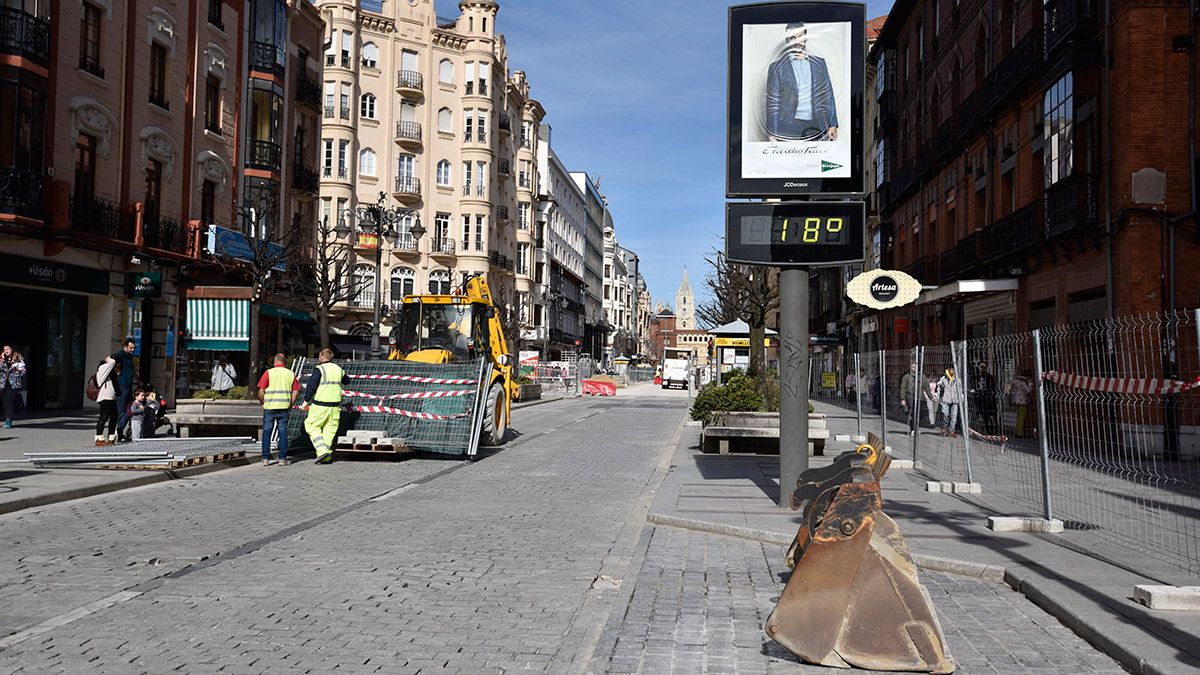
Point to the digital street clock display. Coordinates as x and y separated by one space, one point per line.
795 233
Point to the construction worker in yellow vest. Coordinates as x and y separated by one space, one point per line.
277 391
324 393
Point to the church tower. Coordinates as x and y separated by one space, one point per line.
685 305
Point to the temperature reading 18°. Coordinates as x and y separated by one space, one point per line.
756 230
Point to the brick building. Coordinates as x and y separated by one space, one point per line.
1020 180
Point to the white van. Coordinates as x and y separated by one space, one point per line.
675 373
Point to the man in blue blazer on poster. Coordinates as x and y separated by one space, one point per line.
800 103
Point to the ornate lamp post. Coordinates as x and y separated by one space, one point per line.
381 221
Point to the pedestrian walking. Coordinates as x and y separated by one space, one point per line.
1022 388
876 390
907 389
106 380
324 393
277 391
223 376
951 397
125 379
12 381
932 402
851 385
137 415
985 398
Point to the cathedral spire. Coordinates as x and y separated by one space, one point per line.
685 311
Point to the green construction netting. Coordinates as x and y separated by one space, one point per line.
445 425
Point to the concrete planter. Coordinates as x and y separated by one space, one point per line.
529 392
199 417
757 432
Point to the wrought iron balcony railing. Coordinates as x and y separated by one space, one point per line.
21 191
961 261
304 178
1013 234
165 234
22 34
502 213
264 155
408 185
1072 204
443 245
504 167
308 92
409 79
408 131
1066 21
266 58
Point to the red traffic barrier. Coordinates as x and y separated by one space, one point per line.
599 388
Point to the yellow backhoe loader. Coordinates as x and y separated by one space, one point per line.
464 325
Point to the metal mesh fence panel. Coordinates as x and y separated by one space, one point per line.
432 407
1123 431
557 376
868 392
940 445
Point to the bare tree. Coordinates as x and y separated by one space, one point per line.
324 281
745 292
513 317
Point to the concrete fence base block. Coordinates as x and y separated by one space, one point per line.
902 464
1019 524
936 486
1186 598
967 488
693 423
858 438
842 438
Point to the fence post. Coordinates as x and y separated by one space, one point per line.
858 392
961 366
883 397
918 394
1043 432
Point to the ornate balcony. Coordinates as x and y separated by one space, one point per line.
960 262
305 179
443 247
504 168
1013 234
165 234
266 58
502 214
264 155
505 123
1068 21
308 93
407 189
924 269
21 192
1022 62
405 245
1072 205
100 218
409 82
408 134
22 34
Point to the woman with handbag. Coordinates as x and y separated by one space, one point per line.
12 381
223 376
106 397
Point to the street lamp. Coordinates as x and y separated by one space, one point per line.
378 220
551 298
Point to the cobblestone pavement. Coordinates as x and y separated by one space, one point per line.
700 600
485 568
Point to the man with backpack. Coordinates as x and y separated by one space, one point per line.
124 359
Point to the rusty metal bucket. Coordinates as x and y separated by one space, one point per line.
854 599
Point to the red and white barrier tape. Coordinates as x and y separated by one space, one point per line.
412 378
418 394
405 413
1120 385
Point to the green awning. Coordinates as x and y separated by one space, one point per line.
221 324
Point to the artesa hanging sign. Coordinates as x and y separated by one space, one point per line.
883 289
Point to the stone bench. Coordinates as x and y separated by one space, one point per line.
756 432
200 417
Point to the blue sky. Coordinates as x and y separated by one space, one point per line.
635 93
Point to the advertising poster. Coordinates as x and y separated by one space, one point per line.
527 364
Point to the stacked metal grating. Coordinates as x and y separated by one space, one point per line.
150 453
431 407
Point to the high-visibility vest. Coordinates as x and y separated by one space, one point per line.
278 394
329 392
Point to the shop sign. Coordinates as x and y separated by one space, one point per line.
828 380
226 243
824 340
900 325
737 342
52 275
883 289
143 284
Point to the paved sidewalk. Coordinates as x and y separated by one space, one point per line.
736 495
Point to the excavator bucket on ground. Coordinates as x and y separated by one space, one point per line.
853 599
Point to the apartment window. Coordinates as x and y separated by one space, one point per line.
466 232
443 173
445 121
404 166
480 175
608 271
344 99
523 216
331 53
466 178
366 106
439 282
347 45
370 55
153 200
212 104
158 76
523 178
85 168
327 217
469 77
446 71
214 13
208 202
343 148
441 228
89 40
403 282
483 78
363 282
468 126
481 126
526 134
479 225
1058 153
330 94
523 259
328 158
366 162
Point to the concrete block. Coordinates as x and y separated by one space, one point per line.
936 486
858 438
357 433
1186 598
1019 524
902 464
967 488
842 438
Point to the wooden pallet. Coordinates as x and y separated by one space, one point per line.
194 460
384 448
